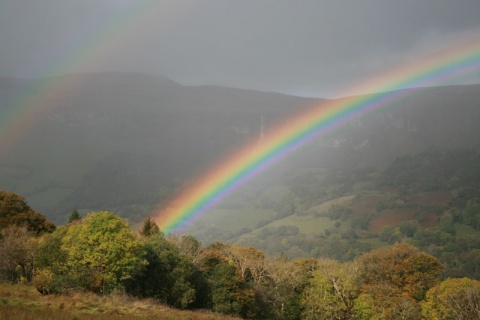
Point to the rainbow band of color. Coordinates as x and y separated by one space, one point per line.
253 158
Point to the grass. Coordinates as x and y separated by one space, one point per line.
307 225
229 220
23 302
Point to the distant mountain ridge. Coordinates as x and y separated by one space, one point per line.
127 141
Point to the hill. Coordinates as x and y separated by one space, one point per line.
125 142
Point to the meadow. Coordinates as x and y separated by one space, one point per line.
24 302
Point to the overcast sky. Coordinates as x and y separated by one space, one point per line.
303 47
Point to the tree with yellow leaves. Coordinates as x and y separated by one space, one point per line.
103 251
453 299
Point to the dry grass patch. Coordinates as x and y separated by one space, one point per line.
24 302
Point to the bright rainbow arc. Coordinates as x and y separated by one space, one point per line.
253 158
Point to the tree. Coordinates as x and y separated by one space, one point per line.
228 291
169 276
103 251
250 261
52 274
74 216
49 254
453 299
149 227
394 280
286 281
332 291
188 246
17 247
385 302
14 210
402 266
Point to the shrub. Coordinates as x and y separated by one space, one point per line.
43 281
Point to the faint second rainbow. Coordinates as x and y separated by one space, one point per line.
87 48
239 167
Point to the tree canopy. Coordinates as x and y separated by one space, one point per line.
103 249
14 210
453 299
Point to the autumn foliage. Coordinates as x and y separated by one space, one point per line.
406 269
453 299
14 210
100 253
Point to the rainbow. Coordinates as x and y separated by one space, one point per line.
241 166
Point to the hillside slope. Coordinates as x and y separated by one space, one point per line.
125 141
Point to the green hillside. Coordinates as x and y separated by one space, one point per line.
431 200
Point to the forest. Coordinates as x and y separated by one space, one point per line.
101 253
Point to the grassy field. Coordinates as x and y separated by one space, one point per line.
229 220
306 224
21 302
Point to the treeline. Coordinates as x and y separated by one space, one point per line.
100 253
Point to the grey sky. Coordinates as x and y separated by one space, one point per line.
316 48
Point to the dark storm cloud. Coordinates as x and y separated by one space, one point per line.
299 47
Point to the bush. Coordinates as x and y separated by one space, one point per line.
43 281
47 282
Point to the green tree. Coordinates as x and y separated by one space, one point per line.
471 213
52 274
338 212
103 251
453 299
74 216
228 291
285 283
332 291
169 276
149 227
14 210
49 254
